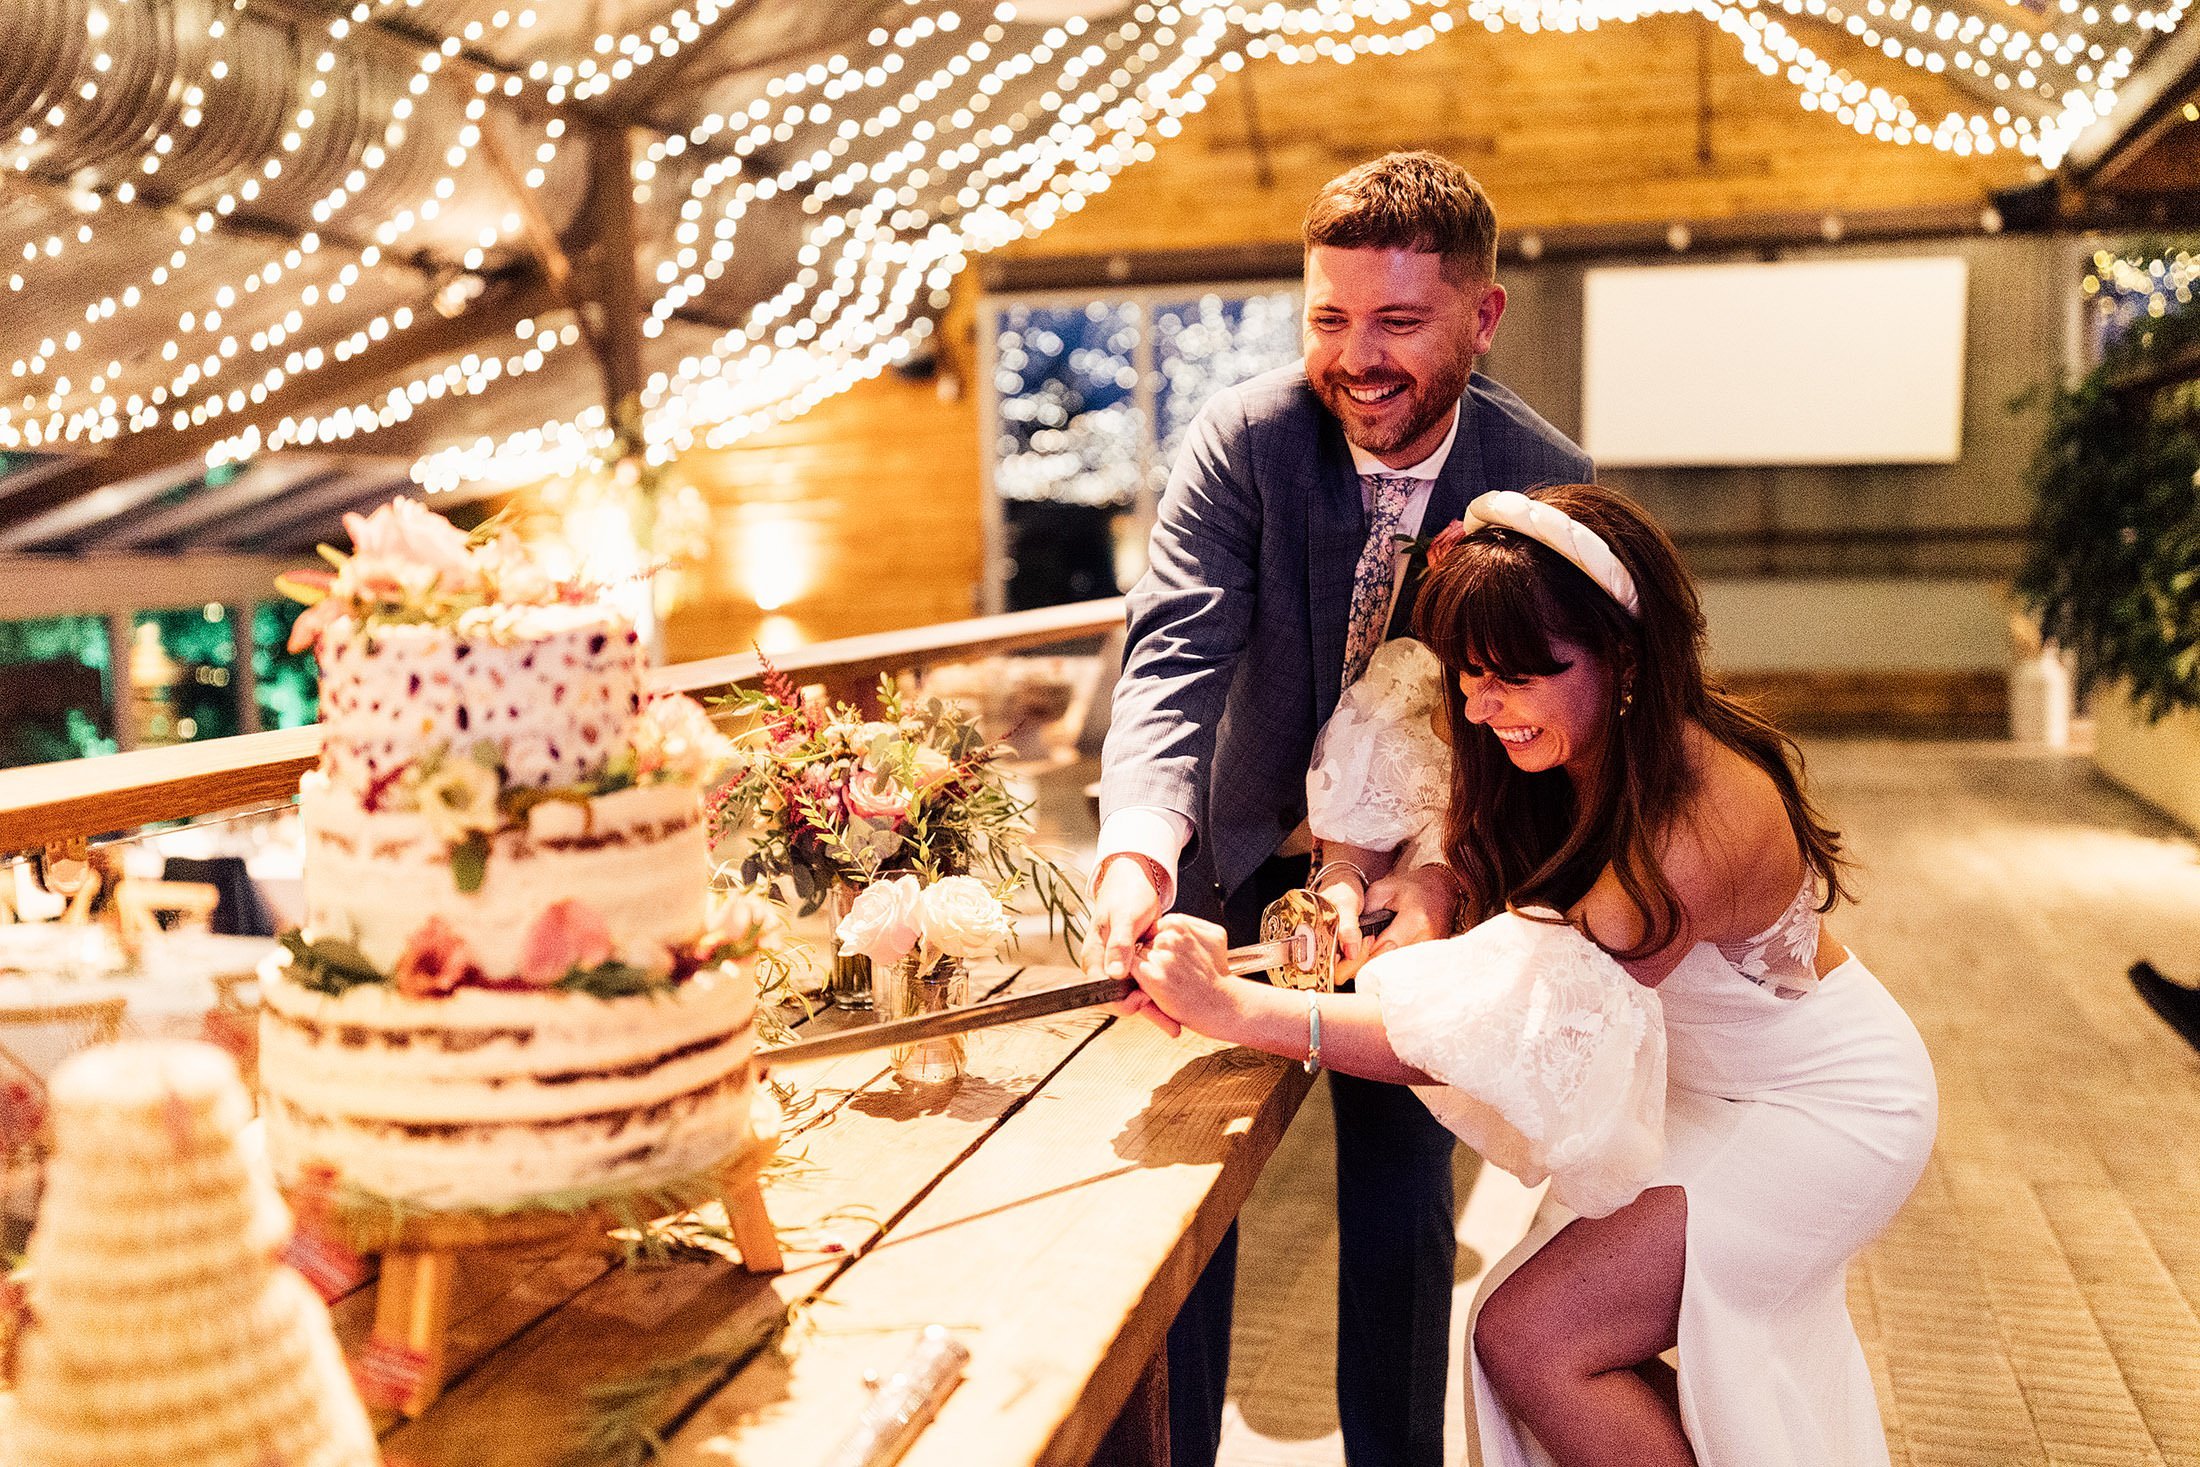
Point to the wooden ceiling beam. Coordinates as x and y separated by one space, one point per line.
636 98
2148 105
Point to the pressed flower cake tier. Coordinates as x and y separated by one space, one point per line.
552 689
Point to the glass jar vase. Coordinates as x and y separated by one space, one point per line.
904 993
848 979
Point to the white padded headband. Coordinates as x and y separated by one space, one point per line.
1561 532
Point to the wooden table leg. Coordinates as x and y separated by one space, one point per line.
752 1226
1140 1436
412 1314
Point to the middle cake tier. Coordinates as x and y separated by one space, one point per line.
638 857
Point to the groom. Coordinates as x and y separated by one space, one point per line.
1270 580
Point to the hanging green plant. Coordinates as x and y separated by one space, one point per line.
2113 569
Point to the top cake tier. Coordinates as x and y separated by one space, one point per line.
553 689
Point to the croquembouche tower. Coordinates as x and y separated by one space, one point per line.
159 1325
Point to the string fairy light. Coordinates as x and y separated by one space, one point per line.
103 419
2129 289
949 132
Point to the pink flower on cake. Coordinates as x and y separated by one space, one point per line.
883 923
409 544
568 935
961 918
434 962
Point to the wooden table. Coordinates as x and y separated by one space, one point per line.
1052 1209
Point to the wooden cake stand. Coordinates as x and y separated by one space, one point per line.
420 1254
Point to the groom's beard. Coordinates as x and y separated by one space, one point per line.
1385 427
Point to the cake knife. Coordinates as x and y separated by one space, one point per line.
1304 957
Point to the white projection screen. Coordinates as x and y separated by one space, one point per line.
1803 362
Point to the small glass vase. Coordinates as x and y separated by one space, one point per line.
903 993
848 983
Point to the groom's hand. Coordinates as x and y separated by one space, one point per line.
1125 907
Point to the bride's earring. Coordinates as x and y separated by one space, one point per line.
1626 697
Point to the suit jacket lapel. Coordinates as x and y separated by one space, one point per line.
1336 531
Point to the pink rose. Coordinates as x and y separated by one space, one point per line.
568 935
876 795
406 543
933 768
434 961
882 925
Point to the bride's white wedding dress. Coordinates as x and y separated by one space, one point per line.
1796 1111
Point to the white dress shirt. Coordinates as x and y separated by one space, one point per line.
1161 835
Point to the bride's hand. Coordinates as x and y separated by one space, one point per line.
1184 973
1348 899
1426 900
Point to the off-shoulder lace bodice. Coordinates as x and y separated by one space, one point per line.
1382 773
1783 957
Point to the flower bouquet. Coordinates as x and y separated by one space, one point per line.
834 802
918 938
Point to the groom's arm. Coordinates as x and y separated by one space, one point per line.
1189 619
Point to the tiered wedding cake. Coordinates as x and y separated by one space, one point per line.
160 1328
508 984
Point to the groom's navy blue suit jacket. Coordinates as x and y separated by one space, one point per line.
1237 629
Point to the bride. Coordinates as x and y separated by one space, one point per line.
1647 1009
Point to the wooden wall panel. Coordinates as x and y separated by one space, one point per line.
863 512
1593 128
879 488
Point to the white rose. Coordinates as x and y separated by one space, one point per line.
460 797
748 920
882 925
962 919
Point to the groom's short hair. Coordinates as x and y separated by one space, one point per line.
1408 201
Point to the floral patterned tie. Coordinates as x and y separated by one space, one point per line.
1373 580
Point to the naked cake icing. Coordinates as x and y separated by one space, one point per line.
511 982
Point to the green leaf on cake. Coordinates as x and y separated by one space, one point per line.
470 861
329 965
615 980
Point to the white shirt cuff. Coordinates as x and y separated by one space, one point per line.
1150 831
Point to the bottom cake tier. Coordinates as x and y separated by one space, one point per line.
495 1099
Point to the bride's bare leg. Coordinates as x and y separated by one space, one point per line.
1564 1339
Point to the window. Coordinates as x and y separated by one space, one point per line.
1087 404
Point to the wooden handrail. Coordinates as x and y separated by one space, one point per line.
44 803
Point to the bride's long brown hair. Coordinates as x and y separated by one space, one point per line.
1493 600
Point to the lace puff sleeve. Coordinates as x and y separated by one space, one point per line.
1381 773
1552 1057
